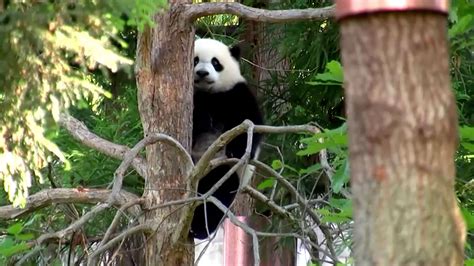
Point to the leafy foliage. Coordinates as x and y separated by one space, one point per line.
14 242
47 50
460 33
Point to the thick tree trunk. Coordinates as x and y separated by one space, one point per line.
165 103
402 139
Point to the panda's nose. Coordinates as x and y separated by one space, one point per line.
202 73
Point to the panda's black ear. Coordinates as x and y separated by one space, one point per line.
235 52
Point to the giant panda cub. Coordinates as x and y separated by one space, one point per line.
222 100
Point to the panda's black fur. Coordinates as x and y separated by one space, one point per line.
222 100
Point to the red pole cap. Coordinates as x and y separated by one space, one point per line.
345 8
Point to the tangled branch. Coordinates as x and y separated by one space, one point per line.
81 133
125 200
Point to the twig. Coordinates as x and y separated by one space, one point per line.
118 214
113 241
310 202
276 69
301 201
131 154
323 158
270 203
194 11
242 162
242 225
200 168
282 159
62 233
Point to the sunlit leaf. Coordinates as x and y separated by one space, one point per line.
8 247
469 262
277 164
266 183
332 76
15 229
468 217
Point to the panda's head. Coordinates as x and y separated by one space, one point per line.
216 66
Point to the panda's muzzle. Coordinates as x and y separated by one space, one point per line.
202 81
202 77
202 74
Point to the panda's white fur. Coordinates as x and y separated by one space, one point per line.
206 50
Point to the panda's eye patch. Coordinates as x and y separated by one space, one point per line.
216 64
196 60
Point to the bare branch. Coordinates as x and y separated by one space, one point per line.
63 195
116 219
66 231
219 143
80 132
194 11
264 199
133 230
201 167
242 162
301 201
246 228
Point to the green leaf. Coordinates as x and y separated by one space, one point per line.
335 68
335 138
469 262
467 133
333 217
468 146
312 169
468 217
8 247
312 148
277 164
461 27
10 251
267 183
341 177
316 146
333 75
15 229
25 237
340 203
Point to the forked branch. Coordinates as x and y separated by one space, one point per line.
81 133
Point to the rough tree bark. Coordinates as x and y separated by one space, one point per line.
402 139
165 104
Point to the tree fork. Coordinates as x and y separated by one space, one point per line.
165 104
402 139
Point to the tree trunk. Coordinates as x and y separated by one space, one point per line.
402 139
165 98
